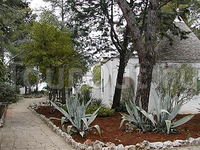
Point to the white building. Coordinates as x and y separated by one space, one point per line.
109 72
180 51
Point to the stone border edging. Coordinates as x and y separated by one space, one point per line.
2 119
98 145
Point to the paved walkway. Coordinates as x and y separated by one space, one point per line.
23 130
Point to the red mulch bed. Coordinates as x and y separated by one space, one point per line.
110 131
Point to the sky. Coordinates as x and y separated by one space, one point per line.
36 5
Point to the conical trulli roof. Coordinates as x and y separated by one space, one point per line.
181 51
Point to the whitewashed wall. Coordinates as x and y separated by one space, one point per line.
109 72
108 82
87 79
190 107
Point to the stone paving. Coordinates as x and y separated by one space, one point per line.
25 131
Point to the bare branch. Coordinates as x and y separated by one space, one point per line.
132 23
164 3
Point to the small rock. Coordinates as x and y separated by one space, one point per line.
156 145
88 142
130 147
191 141
120 147
144 144
99 143
82 146
89 148
137 145
110 144
167 144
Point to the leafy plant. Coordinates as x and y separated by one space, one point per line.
177 81
103 111
122 107
76 115
97 75
8 93
161 119
96 102
85 94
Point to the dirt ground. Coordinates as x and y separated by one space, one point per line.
110 131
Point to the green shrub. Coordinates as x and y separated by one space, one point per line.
103 111
177 81
85 95
8 93
96 102
122 107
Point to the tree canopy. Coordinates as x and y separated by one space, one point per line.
13 18
52 51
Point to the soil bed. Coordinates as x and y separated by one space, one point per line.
110 131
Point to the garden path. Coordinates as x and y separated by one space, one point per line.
23 130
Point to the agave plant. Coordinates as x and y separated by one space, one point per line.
165 113
158 120
76 115
135 117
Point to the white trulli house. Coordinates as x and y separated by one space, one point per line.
178 52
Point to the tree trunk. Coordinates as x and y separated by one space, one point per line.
118 86
36 90
29 90
26 90
145 50
63 95
144 84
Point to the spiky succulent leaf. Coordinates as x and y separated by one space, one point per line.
98 128
93 116
122 122
148 115
181 121
82 133
85 122
69 129
60 109
175 111
168 125
130 112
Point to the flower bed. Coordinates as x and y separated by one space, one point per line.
107 145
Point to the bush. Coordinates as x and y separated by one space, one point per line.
179 82
96 102
103 111
85 95
8 93
122 107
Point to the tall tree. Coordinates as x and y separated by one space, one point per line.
104 17
13 17
99 17
145 41
52 48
